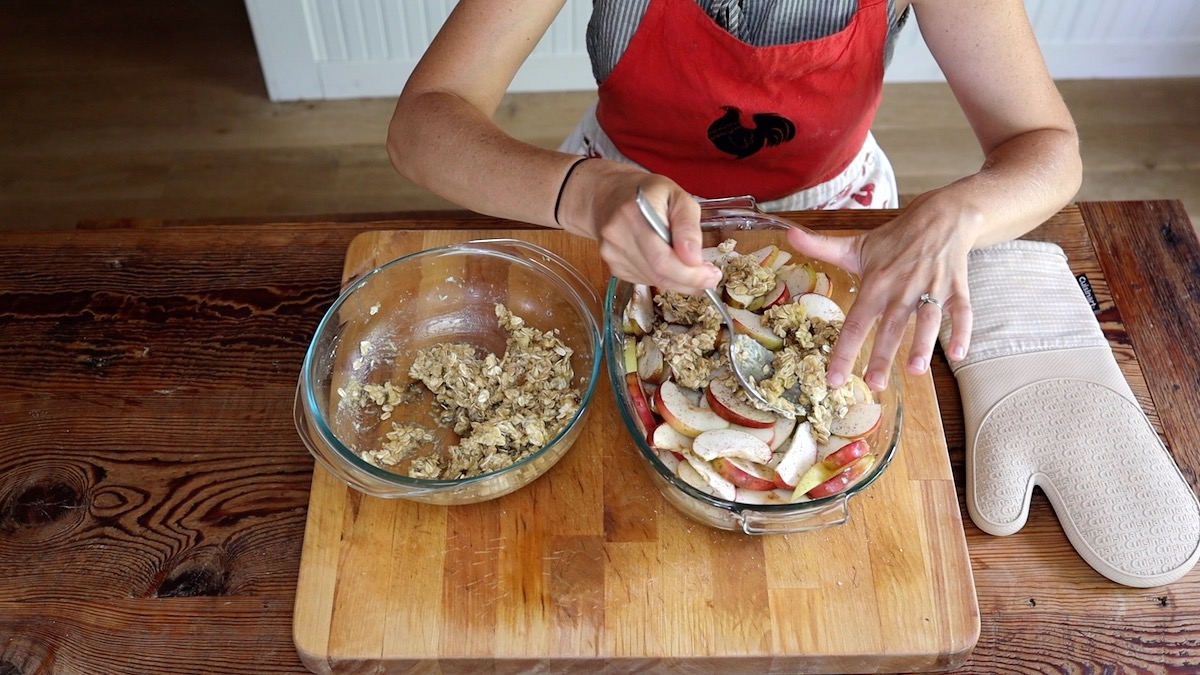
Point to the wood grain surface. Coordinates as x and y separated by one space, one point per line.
153 490
590 568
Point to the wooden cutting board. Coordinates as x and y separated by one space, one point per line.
589 569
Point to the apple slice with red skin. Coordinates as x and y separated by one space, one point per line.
831 466
777 296
830 446
860 419
731 443
717 484
743 474
821 307
686 417
844 478
724 400
633 385
796 457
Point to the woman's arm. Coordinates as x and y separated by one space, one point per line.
1032 168
443 138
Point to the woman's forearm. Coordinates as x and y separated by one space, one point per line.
1022 182
448 146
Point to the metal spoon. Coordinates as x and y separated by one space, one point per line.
746 356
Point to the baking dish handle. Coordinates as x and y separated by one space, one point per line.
837 512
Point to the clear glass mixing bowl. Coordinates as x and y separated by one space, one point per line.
447 294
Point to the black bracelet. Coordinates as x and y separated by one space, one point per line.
562 188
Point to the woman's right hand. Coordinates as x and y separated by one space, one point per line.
599 201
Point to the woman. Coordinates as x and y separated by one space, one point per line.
716 98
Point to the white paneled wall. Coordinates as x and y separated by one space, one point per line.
314 49
351 48
1090 39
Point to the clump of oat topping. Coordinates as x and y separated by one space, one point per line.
686 332
503 408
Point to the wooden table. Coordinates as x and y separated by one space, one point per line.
153 489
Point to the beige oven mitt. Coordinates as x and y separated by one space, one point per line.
1046 405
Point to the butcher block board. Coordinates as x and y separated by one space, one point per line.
589 569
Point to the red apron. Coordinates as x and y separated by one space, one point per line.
720 117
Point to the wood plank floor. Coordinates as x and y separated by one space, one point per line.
129 108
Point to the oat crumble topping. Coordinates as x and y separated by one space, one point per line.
687 328
503 408
745 277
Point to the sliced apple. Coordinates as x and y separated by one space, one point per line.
800 279
823 285
860 420
821 307
844 478
731 443
724 399
797 457
744 474
843 456
766 435
651 367
777 296
862 390
670 460
684 415
722 342
664 437
832 445
761 497
638 318
692 477
782 431
766 255
719 486
637 396
750 302
830 466
750 324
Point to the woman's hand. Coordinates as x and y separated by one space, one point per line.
922 251
1031 168
599 201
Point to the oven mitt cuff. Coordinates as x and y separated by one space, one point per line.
1045 404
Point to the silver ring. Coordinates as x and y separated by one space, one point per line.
927 299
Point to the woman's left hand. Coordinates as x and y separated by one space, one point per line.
923 251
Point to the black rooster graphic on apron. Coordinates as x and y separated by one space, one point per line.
730 136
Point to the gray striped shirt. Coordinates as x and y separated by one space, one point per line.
762 23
